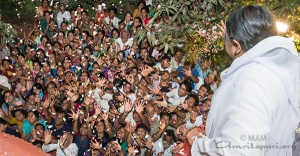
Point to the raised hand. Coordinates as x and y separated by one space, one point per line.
62 140
145 71
131 149
101 82
140 106
127 105
98 110
120 97
48 137
73 115
95 144
194 133
164 102
130 128
130 78
222 27
104 116
47 103
86 83
187 72
147 143
116 146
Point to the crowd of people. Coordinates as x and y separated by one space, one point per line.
83 86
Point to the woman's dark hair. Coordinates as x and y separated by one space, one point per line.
62 31
38 76
6 60
88 47
68 45
146 9
140 20
141 1
188 86
86 32
194 97
171 133
84 12
206 86
22 111
8 91
46 62
128 12
44 37
112 8
32 93
46 11
88 74
37 61
36 113
116 30
40 50
28 45
38 86
142 126
70 32
39 124
3 122
165 114
249 25
51 83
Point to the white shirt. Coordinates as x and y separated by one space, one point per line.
174 98
169 69
103 102
71 150
257 99
129 42
115 21
4 82
158 147
197 123
60 17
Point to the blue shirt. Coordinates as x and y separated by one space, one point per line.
83 145
27 127
194 72
56 133
202 74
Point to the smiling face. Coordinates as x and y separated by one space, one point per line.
182 90
141 132
65 104
31 99
19 116
36 66
59 119
8 96
40 131
83 129
100 127
121 133
32 118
